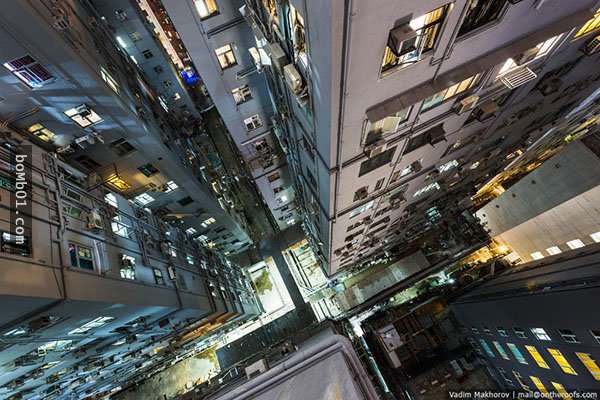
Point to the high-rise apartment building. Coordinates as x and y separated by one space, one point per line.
536 327
431 155
394 116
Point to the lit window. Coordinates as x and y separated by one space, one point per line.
540 334
158 276
501 350
118 183
81 256
486 348
540 386
28 70
241 94
537 255
517 353
121 42
595 237
537 357
208 222
535 53
450 92
110 81
190 231
562 361
83 115
425 189
554 250
225 56
206 8
119 227
568 336
56 345
385 126
448 166
590 364
127 270
253 122
590 26
143 199
407 43
575 244
190 259
170 186
93 324
41 132
111 199
561 391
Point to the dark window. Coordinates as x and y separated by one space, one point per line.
147 54
148 170
568 336
432 137
158 69
158 276
520 333
185 201
87 162
121 147
480 13
378 161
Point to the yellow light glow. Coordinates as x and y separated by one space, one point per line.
117 182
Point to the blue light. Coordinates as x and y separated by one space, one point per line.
190 77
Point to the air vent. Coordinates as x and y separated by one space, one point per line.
518 77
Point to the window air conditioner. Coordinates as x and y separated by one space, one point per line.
518 77
402 40
94 220
278 57
375 148
293 78
550 86
361 193
466 104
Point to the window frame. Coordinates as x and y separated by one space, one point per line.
76 262
209 14
226 51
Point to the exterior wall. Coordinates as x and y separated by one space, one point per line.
548 296
552 205
74 57
258 147
205 290
326 137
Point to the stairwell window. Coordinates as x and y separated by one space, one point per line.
450 92
226 56
253 122
408 43
206 8
480 13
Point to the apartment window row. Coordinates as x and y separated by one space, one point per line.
571 244
559 358
567 335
